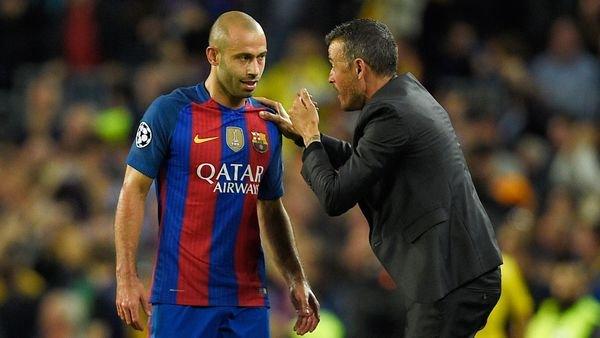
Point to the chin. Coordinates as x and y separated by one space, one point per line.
355 102
352 106
242 94
347 108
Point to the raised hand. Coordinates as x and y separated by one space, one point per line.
304 116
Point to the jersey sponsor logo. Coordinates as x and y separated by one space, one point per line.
259 142
235 138
143 137
198 139
231 178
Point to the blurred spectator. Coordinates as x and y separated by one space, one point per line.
452 55
569 312
62 315
589 23
82 45
567 76
403 17
576 164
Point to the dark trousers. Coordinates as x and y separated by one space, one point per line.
460 314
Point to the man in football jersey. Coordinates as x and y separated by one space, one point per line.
218 172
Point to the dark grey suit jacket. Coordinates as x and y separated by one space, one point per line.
407 172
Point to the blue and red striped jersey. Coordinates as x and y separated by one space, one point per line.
210 164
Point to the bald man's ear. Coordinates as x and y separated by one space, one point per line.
212 55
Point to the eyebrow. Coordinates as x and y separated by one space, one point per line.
251 54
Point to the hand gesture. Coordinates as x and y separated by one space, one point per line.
304 116
281 119
130 295
307 308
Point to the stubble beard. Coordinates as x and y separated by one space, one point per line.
356 101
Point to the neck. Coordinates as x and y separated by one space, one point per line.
220 95
376 83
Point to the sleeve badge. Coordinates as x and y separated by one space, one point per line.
143 135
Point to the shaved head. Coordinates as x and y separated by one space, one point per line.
221 30
237 51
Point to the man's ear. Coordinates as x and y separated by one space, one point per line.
212 55
360 67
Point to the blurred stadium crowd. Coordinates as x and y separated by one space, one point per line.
519 78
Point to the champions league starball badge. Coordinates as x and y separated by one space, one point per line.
143 135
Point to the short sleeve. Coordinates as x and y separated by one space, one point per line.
151 142
271 186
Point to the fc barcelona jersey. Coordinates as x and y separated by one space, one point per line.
210 163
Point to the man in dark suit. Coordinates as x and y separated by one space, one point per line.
407 172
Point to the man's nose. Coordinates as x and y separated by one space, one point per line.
253 68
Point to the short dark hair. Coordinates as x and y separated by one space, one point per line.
369 40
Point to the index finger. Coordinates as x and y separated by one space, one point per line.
268 102
298 101
306 97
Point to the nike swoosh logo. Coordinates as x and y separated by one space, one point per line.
197 139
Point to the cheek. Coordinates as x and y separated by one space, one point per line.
346 86
230 70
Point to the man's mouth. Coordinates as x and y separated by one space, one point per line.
249 84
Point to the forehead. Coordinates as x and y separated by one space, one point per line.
336 50
247 41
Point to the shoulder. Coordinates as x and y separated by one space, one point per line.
379 109
168 106
177 99
256 105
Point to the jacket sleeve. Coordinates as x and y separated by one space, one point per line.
384 136
338 151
